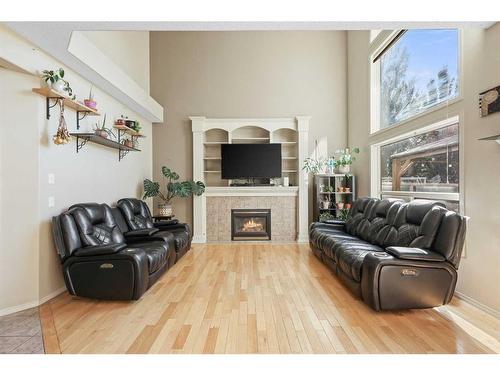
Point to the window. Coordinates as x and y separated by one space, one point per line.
418 71
424 165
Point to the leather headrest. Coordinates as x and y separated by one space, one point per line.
384 206
96 212
361 204
418 208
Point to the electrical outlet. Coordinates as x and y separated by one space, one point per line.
52 201
52 178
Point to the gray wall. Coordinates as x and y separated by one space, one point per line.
245 74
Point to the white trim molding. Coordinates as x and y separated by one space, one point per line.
479 305
29 305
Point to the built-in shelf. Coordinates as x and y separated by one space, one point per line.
289 157
287 142
68 102
212 171
212 158
289 171
128 131
336 192
251 139
215 143
83 138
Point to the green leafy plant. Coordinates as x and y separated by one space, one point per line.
98 128
314 166
137 127
346 156
324 216
54 76
343 214
173 188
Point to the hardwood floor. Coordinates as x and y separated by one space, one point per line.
258 298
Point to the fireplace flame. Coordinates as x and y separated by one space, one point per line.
252 226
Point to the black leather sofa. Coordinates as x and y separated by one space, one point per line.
137 218
100 261
393 254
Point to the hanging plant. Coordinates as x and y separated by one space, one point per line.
62 136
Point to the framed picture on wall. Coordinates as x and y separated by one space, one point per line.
489 101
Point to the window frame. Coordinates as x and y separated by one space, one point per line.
377 46
375 168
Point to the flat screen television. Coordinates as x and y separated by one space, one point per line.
245 161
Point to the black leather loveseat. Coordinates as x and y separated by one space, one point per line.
393 254
102 258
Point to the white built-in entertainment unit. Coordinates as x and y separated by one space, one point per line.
210 133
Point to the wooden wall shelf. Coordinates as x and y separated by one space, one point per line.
129 131
68 102
83 138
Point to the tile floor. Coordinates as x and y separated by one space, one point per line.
21 333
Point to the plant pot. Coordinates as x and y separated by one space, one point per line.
59 87
101 133
347 206
347 190
90 103
340 189
128 143
344 169
340 205
165 209
129 123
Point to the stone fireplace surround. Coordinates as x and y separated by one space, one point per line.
283 215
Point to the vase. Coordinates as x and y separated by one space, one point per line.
344 169
59 87
165 209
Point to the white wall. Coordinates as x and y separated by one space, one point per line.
32 270
127 49
479 272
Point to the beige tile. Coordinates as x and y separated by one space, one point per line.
33 346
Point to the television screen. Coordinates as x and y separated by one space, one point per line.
251 160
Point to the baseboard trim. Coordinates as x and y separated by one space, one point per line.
479 305
29 305
49 296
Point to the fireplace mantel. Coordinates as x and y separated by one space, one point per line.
290 132
252 191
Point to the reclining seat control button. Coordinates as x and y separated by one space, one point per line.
106 266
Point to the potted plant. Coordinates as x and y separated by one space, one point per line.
55 78
128 143
324 216
314 166
340 205
347 206
325 204
102 130
90 102
343 214
345 159
173 188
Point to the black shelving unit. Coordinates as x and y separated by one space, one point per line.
326 189
83 138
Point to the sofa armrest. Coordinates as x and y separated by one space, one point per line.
99 249
140 232
414 253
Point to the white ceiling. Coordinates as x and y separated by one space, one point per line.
54 37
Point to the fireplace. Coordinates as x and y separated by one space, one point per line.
250 224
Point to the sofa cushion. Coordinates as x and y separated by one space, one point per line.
415 225
350 255
356 214
157 253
